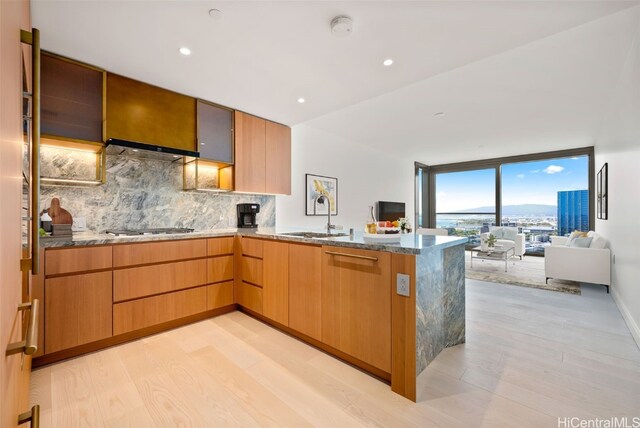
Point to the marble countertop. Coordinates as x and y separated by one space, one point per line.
409 243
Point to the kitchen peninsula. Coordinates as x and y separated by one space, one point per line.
339 294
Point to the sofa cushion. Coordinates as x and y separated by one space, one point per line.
498 232
580 242
510 233
598 242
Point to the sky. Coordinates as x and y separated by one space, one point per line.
536 182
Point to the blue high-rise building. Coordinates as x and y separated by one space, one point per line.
573 211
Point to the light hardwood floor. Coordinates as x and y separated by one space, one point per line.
531 356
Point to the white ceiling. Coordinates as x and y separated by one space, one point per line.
551 94
262 56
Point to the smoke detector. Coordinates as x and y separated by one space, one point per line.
341 26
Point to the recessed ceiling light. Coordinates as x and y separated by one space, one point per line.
439 114
134 150
301 100
185 51
388 62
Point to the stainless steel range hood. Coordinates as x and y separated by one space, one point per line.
147 151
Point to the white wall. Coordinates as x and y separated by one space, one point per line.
364 177
619 146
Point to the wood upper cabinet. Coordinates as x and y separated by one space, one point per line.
356 304
263 155
78 310
215 132
143 113
305 289
250 133
275 286
278 159
71 99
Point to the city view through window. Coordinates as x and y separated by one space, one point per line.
540 198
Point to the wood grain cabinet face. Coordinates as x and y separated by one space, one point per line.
70 260
158 252
275 288
78 310
219 295
356 304
143 113
305 290
71 99
220 269
250 153
215 132
278 159
220 246
249 296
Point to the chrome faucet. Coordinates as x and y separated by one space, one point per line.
321 199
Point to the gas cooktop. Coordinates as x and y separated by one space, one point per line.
135 232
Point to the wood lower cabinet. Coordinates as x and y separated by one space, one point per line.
71 260
219 295
249 296
252 270
305 289
158 252
150 311
144 281
219 269
77 310
356 304
275 286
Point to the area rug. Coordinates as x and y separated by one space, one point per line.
528 272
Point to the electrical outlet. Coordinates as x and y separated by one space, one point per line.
402 285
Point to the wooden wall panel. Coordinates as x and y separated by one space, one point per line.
219 295
83 259
305 289
158 252
141 313
220 246
77 310
220 269
403 329
148 280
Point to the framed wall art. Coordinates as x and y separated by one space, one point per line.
316 186
603 192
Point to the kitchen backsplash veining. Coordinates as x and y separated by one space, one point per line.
143 193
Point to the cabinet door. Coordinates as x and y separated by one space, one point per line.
305 290
275 288
278 159
147 114
71 99
215 132
78 310
250 153
356 304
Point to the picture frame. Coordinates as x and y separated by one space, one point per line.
315 186
603 192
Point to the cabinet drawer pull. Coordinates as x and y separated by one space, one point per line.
32 416
30 344
355 256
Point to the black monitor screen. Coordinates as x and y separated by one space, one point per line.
390 211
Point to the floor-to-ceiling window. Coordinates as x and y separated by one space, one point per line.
542 194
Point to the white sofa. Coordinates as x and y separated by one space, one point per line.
517 242
592 265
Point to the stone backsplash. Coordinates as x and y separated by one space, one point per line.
143 193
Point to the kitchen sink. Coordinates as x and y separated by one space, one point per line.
314 234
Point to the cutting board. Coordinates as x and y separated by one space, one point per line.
58 214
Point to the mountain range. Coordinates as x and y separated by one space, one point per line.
538 210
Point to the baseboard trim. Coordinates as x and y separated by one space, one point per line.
626 315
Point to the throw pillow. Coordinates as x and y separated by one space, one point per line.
580 242
598 243
509 233
578 234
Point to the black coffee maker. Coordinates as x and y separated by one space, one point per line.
247 215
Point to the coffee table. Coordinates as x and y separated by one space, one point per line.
500 254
